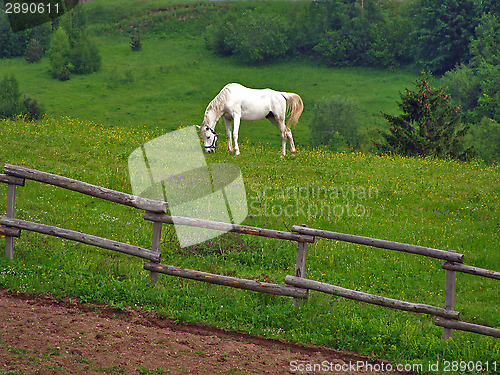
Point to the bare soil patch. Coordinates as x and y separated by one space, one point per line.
44 335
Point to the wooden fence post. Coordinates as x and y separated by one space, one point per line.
449 299
153 276
300 265
11 202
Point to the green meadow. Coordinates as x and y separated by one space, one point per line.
94 122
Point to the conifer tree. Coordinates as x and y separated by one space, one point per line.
59 55
429 126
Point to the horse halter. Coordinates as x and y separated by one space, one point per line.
213 146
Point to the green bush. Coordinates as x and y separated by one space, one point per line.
135 41
9 97
11 104
260 38
486 139
218 35
463 85
84 56
255 37
11 44
34 51
59 55
72 50
335 124
32 109
362 36
476 86
429 126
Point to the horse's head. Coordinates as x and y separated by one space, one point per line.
209 137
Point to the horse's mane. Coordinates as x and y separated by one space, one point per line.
218 102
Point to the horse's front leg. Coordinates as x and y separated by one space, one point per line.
229 138
236 129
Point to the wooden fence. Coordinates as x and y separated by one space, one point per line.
296 286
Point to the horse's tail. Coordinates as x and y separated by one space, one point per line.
294 107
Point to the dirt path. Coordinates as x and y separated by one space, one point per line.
44 335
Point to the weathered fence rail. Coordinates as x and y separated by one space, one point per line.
86 188
258 286
383 244
298 286
87 239
227 227
470 327
471 270
370 298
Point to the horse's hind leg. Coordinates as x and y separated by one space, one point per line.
229 137
285 133
236 129
288 133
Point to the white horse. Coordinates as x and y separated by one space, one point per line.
236 102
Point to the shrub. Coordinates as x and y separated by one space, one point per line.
486 137
429 126
260 38
463 85
59 55
11 43
32 110
34 51
218 36
84 56
11 103
135 41
335 123
489 100
257 38
9 96
72 50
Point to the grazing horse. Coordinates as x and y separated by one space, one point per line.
236 102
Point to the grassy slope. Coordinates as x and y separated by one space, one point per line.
441 204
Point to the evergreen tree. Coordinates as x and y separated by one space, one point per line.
59 55
429 126
9 96
34 51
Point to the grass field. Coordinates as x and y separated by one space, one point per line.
435 203
96 121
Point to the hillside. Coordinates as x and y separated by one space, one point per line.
435 203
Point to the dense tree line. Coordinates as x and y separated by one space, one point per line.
434 34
